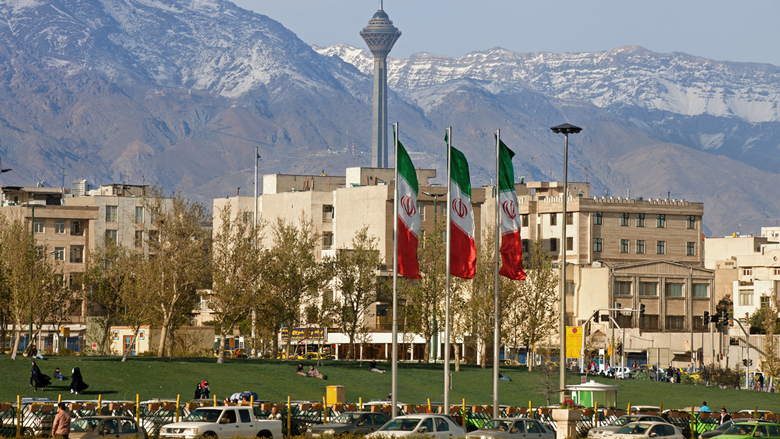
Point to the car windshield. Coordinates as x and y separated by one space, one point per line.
634 428
739 430
401 424
346 418
84 424
203 415
497 425
623 420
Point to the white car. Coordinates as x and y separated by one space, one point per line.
222 422
646 430
512 428
439 426
610 429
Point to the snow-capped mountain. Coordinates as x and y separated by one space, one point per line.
664 94
180 92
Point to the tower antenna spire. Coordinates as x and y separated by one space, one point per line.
380 6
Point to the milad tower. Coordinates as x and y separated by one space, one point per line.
380 35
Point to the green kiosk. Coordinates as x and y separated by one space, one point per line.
589 393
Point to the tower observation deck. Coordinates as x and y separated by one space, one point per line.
380 35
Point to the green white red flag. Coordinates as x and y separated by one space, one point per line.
511 241
408 216
463 251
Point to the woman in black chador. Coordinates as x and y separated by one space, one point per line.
77 384
38 378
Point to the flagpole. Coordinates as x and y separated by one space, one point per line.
394 372
447 287
496 332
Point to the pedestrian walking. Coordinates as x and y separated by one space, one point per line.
61 426
38 378
77 384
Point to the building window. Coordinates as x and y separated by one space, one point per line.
598 218
553 245
246 218
139 214
569 288
421 209
526 245
624 219
648 322
525 220
660 220
624 246
59 227
38 225
111 214
690 249
625 321
691 221
597 246
777 271
747 272
640 246
75 228
622 288
701 290
76 254
675 323
327 240
648 288
764 301
640 220
553 219
569 243
674 290
138 240
569 218
59 253
111 236
328 213
745 297
660 247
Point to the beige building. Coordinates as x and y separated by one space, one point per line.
190 340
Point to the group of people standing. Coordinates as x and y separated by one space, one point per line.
39 379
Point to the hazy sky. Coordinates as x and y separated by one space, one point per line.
727 30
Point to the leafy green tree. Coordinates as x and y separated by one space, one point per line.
235 272
770 357
356 281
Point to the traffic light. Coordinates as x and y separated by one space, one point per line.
715 318
706 318
744 362
751 362
641 310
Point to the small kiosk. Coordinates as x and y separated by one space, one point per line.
590 393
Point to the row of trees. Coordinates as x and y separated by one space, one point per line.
282 284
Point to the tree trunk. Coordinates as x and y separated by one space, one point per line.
221 355
457 358
106 330
163 336
275 344
135 338
483 353
16 342
427 348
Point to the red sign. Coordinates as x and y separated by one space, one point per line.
408 205
509 209
460 208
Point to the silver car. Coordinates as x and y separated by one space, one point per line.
611 428
512 428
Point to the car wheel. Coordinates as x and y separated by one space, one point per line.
265 434
209 435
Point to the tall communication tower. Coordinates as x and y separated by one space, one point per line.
380 35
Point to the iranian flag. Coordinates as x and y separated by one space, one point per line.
511 242
408 216
463 251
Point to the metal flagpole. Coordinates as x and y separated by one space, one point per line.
394 373
447 287
496 333
254 311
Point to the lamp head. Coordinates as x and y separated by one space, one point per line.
566 128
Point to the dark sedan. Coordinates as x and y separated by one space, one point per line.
349 422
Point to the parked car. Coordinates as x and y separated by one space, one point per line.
617 424
98 427
512 428
438 426
222 422
349 422
750 429
644 430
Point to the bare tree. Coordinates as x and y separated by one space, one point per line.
235 272
178 241
770 357
19 261
103 279
356 278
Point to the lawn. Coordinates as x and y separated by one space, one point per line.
276 379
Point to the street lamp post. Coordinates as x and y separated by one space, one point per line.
564 129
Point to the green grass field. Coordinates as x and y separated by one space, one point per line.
275 380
